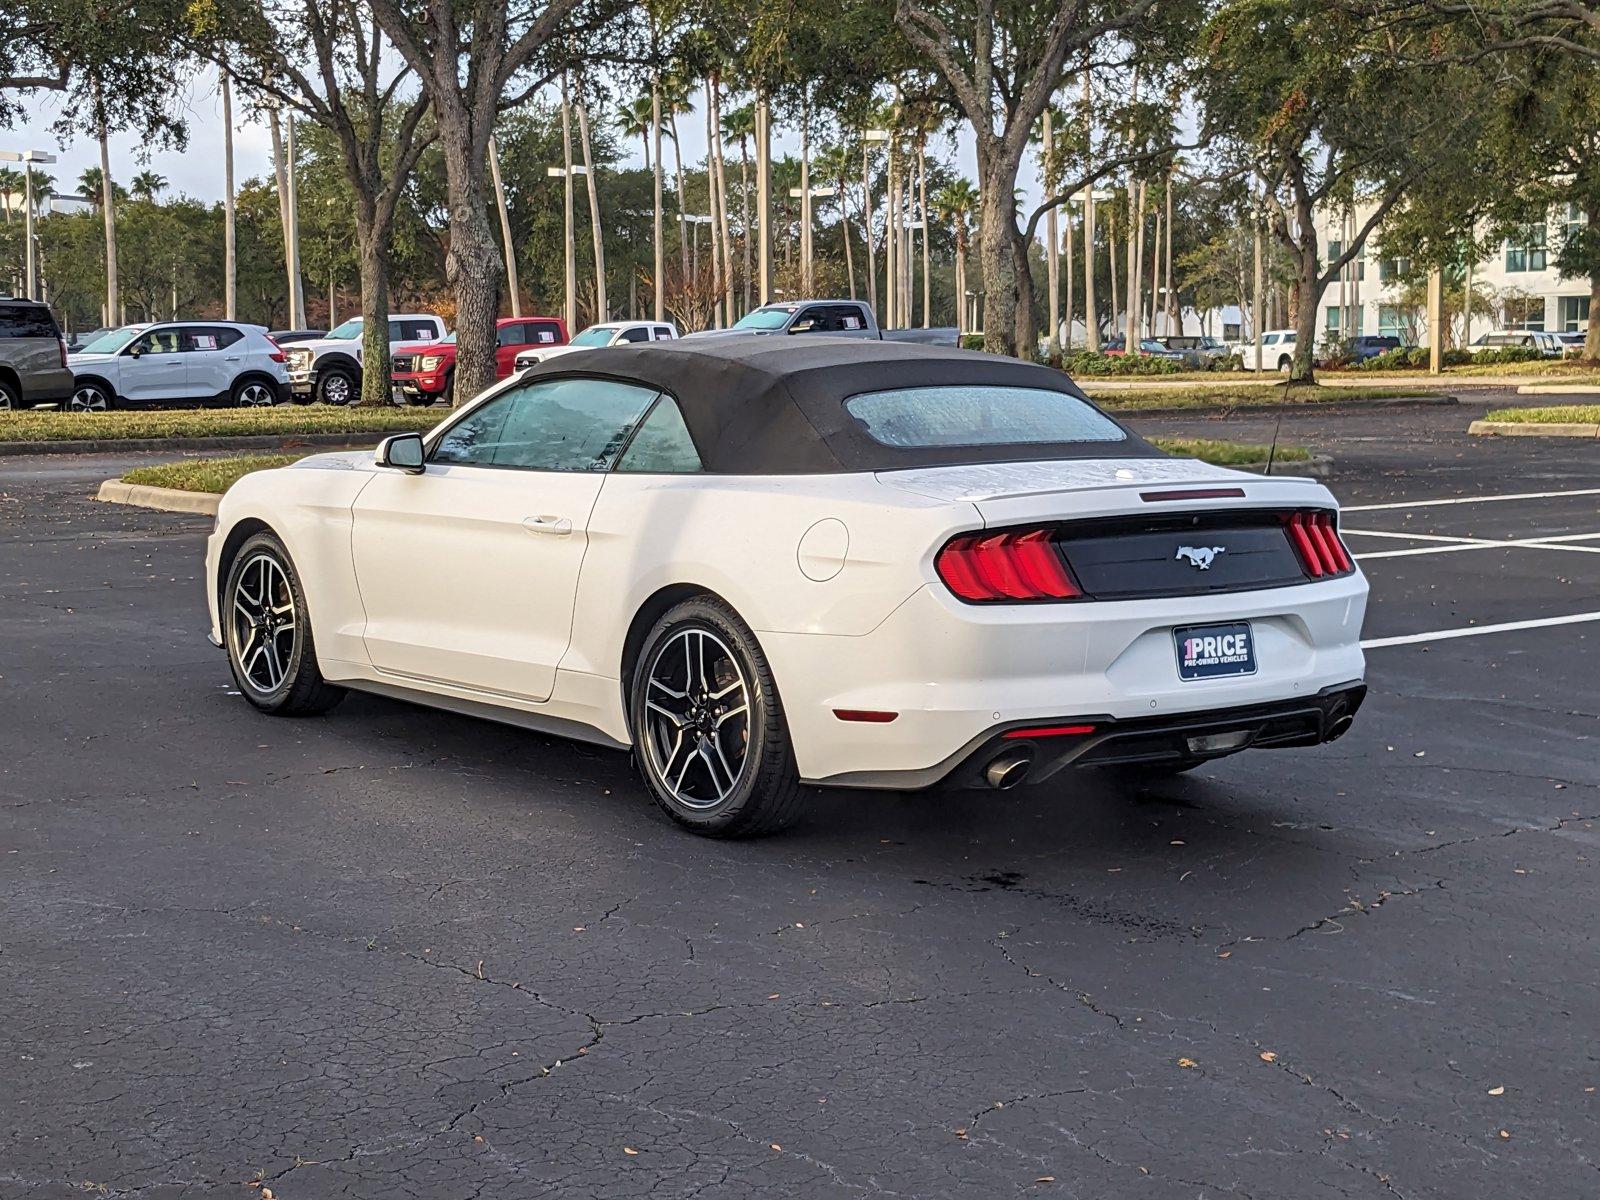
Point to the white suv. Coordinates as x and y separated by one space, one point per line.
608 333
1277 351
328 369
180 363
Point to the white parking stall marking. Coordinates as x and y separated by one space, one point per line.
1453 544
1469 500
1440 635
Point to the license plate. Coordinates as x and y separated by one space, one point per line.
397 395
1211 651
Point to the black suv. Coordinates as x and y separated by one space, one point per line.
33 356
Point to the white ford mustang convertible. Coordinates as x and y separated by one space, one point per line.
765 563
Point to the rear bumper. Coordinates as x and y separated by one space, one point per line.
53 386
955 674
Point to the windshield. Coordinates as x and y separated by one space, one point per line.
350 329
765 318
110 343
978 415
595 335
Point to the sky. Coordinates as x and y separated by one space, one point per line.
197 171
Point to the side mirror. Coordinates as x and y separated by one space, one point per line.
402 452
135 351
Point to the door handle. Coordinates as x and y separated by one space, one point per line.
560 526
234 358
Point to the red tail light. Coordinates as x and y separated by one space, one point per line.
1015 565
1317 543
62 342
276 355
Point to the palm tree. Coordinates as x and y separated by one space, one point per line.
739 125
833 163
147 185
89 186
11 184
956 202
675 91
633 120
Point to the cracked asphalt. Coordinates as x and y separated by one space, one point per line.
399 953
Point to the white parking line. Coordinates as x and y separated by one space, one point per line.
1453 544
1440 635
1469 500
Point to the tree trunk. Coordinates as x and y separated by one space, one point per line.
602 309
230 269
866 232
505 229
1305 317
570 252
997 236
660 279
683 199
806 284
472 266
376 390
764 193
1591 343
844 232
927 226
108 211
744 217
722 194
961 286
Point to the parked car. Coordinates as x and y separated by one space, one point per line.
1359 349
77 341
1573 342
962 572
179 363
285 337
426 372
1547 344
328 369
33 356
1277 351
1150 348
1195 351
838 318
607 333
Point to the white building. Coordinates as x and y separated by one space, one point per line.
1519 281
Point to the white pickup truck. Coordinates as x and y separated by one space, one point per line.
607 333
836 318
328 369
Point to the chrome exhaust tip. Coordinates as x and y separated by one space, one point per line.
1008 770
1340 726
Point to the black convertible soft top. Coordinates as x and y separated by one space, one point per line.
769 405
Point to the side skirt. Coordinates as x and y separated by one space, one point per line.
538 722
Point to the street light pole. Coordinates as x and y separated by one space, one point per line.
869 136
30 280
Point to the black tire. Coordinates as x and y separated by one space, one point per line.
254 393
337 386
765 793
90 397
1285 365
290 683
10 396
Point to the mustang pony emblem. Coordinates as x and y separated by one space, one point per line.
1200 557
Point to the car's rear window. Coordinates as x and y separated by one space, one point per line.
27 321
978 415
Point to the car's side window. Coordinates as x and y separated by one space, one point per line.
663 445
542 333
510 335
159 341
663 334
548 425
812 320
636 334
847 318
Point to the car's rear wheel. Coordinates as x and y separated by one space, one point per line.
252 393
336 386
709 732
89 398
10 397
268 633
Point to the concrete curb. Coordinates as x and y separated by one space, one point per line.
1530 429
285 441
1559 389
1320 466
115 491
1315 406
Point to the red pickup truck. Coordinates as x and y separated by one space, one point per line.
423 372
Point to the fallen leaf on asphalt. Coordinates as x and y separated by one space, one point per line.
962 1134
629 1150
1225 954
1045 1179
1498 1091
478 1138
775 1146
1187 1063
1268 1056
1505 1133
774 996
1177 842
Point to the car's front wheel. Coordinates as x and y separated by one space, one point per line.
708 726
268 633
336 386
10 397
89 398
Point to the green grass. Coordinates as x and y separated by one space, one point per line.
1545 368
284 420
1563 414
207 474
1233 395
1229 454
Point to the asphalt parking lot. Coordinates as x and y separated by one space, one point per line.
393 952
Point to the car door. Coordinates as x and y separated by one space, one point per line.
468 570
154 369
509 341
213 356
